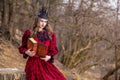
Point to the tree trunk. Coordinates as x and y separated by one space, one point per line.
11 19
12 74
1 5
4 13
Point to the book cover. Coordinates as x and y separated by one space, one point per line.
40 49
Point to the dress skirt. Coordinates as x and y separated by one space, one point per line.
37 69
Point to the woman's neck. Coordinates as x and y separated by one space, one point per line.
40 29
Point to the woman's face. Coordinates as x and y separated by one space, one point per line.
42 22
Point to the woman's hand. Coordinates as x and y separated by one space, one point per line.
46 58
30 53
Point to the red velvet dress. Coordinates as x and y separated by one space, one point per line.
37 69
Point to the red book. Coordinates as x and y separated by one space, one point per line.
40 49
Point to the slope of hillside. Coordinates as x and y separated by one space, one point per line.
9 55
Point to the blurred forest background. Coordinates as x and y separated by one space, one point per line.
88 33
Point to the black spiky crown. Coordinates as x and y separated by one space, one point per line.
43 13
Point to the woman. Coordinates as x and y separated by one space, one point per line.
39 68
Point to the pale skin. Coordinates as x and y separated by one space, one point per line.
42 23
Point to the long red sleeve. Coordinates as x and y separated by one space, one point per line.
53 50
23 47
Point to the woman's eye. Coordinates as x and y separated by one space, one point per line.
43 21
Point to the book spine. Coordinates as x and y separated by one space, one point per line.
35 47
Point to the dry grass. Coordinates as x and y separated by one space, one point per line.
9 56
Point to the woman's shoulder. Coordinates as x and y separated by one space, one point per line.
27 32
53 34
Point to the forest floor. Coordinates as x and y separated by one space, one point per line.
11 58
